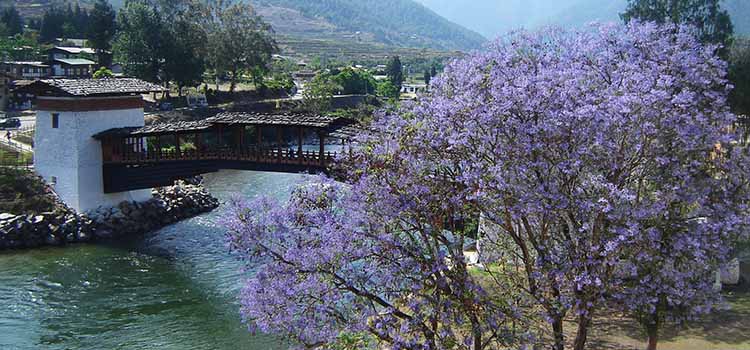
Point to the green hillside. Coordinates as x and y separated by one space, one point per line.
403 23
394 22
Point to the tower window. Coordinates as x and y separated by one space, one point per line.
55 120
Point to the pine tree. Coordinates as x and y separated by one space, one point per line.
12 21
102 30
395 72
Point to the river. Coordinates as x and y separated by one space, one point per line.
172 289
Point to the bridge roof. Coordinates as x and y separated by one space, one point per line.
335 126
288 119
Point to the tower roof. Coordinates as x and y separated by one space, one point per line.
91 87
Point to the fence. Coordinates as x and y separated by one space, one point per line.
25 135
14 156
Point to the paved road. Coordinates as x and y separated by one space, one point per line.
28 121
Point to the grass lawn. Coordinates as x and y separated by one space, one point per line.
725 330
11 157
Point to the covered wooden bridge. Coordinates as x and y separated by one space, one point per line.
157 155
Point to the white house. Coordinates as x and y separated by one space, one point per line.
70 112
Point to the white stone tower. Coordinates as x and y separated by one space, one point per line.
69 114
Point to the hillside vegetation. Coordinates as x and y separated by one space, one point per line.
393 22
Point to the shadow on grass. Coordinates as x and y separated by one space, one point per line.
728 327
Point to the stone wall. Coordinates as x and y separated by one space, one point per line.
62 226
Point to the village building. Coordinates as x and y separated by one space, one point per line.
5 83
72 68
30 70
71 62
414 89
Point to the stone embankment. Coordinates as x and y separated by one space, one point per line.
61 226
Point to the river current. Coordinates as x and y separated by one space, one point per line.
172 289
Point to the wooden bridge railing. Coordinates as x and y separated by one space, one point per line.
252 154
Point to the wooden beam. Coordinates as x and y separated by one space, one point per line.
322 137
177 145
300 137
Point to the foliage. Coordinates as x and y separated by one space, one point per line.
602 167
711 20
162 41
103 73
388 90
739 75
280 83
186 48
19 48
395 72
102 30
11 21
140 42
354 82
318 93
400 22
68 22
239 41
23 193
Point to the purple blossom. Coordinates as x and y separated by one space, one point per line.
592 156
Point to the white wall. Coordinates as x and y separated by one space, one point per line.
74 157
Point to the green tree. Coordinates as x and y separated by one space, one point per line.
141 43
354 82
433 70
388 90
19 48
711 20
103 73
185 63
317 95
427 77
102 30
11 19
239 41
395 72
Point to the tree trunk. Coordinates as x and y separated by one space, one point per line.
557 330
233 84
652 329
584 321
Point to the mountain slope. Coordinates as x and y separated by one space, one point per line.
496 17
395 22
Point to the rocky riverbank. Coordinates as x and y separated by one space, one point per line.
62 225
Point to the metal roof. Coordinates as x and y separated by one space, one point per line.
75 61
27 63
74 50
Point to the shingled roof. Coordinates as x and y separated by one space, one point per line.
245 118
334 126
92 87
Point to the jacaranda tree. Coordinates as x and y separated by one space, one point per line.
603 166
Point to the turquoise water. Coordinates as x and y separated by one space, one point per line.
173 289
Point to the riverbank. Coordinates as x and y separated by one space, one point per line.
35 217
